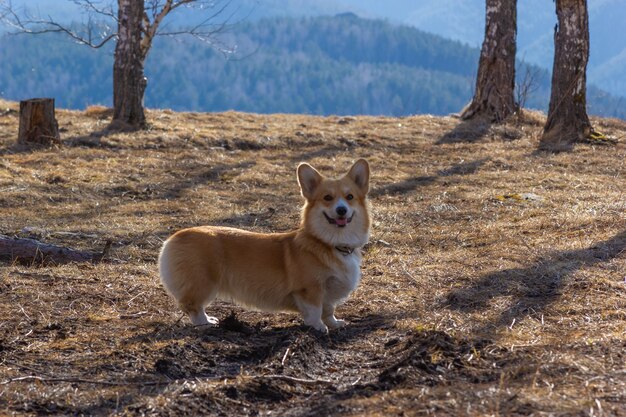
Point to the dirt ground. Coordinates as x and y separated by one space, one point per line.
493 283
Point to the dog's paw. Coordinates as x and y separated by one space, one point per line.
322 329
337 324
334 323
201 319
319 327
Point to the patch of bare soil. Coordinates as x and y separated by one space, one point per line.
493 284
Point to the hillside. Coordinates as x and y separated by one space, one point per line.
323 65
472 301
464 20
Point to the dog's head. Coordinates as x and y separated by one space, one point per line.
336 210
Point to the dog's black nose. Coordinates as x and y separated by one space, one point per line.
341 210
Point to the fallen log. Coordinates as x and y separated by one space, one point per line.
34 251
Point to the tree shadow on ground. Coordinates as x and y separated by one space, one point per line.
25 148
403 187
471 130
120 195
263 218
469 361
174 190
535 287
326 151
412 183
92 139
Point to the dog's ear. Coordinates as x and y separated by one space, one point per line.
309 179
360 174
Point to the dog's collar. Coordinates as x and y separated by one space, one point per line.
345 250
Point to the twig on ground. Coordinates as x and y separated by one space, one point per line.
294 380
79 381
133 315
285 378
282 362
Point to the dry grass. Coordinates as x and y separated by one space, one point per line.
469 305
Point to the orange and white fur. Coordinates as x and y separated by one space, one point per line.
310 270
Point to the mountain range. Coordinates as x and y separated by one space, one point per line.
296 64
461 20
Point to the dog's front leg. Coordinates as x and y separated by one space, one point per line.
311 312
328 317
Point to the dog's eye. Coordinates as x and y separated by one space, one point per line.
328 197
349 197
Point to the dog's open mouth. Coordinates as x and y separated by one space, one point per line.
339 221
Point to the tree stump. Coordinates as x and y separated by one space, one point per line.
37 122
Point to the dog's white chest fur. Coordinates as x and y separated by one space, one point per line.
343 282
353 275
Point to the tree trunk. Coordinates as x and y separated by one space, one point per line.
37 122
129 81
495 82
567 115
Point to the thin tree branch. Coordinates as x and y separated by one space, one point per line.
204 23
155 14
41 26
89 5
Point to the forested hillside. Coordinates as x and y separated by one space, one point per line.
320 65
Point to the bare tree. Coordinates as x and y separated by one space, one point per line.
526 86
495 83
567 115
137 23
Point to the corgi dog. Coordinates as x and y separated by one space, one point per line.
310 270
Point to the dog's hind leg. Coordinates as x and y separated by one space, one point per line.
195 310
189 282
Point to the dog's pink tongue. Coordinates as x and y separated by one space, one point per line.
341 222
